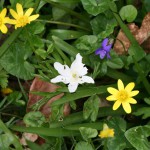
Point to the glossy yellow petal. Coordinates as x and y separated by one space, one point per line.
3 13
33 17
132 101
112 90
134 93
19 9
10 21
126 107
29 12
111 98
116 105
6 91
106 133
130 87
16 26
3 28
13 13
120 85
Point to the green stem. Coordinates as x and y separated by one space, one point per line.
28 39
141 73
69 11
118 75
36 5
78 117
22 90
134 43
9 41
65 58
125 29
64 24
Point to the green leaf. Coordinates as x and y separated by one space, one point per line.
88 133
137 52
15 97
35 27
3 78
34 119
144 111
8 139
146 3
91 107
5 141
137 136
128 13
54 132
67 34
83 146
118 142
14 61
36 41
147 100
42 53
65 46
87 43
115 63
66 1
95 7
80 93
95 125
103 25
33 146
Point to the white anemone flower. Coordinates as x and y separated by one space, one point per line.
72 76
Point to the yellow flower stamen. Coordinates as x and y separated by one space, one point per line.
122 96
22 21
106 132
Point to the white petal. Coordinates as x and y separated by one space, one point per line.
77 61
78 67
72 87
86 79
62 69
59 79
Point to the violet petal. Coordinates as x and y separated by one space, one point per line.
102 54
98 51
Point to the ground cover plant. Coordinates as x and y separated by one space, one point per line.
74 74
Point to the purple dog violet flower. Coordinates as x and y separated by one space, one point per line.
104 50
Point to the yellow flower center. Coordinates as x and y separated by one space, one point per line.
74 75
122 95
22 21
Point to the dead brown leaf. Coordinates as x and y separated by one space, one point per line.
42 86
141 35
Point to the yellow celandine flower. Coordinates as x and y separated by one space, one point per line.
20 18
3 21
6 91
123 96
106 132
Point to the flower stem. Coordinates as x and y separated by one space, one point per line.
63 23
9 41
134 43
69 11
141 73
118 75
125 29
